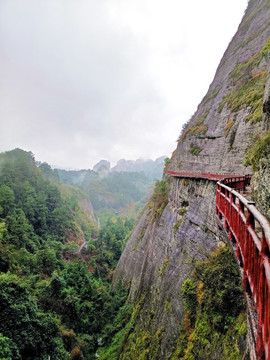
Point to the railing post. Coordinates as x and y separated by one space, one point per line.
226 203
245 281
261 301
250 219
238 253
217 196
240 212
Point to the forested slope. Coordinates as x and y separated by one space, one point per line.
121 192
54 302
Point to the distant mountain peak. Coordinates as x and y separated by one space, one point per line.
145 165
103 168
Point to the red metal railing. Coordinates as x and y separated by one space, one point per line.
249 230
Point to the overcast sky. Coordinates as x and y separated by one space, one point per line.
85 80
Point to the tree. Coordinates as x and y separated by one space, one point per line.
33 332
7 199
8 350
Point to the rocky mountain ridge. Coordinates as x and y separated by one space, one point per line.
152 168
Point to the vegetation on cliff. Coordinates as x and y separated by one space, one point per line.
196 128
133 342
258 157
158 199
195 150
259 149
248 87
215 322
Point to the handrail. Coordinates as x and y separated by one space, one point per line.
249 230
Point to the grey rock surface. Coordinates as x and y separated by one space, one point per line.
101 165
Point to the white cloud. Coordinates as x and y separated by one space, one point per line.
91 79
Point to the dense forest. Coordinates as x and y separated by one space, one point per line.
56 301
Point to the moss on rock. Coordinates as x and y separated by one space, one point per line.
214 326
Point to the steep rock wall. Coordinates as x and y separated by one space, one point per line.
87 207
160 255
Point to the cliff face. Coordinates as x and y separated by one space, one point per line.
226 119
87 207
161 254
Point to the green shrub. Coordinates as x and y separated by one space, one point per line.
167 306
266 48
228 127
198 128
212 95
247 94
244 69
138 240
164 265
159 198
248 87
259 149
189 292
194 150
177 225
